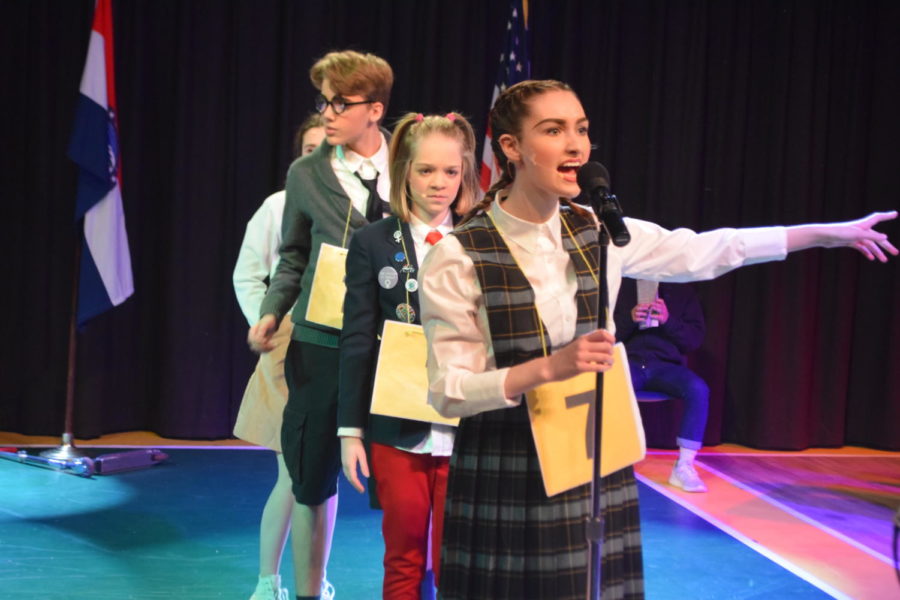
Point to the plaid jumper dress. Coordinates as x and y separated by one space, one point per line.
503 537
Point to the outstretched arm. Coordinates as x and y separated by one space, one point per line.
859 234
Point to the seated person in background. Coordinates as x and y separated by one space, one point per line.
657 335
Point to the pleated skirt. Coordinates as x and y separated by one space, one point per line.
260 415
505 539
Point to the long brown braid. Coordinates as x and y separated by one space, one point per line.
507 115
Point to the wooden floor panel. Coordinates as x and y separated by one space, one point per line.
838 567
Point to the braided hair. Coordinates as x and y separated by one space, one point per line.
506 117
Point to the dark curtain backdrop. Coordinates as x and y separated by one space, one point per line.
708 114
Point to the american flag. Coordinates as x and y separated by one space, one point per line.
515 66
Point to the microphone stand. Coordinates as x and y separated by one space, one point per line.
594 524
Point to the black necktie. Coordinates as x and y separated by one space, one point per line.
375 206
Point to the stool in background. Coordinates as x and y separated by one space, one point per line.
661 418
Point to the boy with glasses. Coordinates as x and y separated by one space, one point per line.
330 194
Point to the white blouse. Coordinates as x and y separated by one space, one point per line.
439 442
258 256
462 371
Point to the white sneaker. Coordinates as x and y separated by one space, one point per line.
269 588
327 591
684 476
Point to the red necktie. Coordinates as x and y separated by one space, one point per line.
433 237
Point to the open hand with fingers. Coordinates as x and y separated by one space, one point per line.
353 455
861 235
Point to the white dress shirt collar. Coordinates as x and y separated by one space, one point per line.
534 238
419 229
354 162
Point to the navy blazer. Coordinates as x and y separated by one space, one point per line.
366 306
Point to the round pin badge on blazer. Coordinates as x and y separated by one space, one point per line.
412 285
388 277
399 257
406 313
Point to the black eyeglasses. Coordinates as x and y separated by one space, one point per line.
337 104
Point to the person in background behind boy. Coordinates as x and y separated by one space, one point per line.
259 418
331 193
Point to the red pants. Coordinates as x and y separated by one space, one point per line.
411 489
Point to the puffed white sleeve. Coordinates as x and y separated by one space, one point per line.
258 255
463 378
683 255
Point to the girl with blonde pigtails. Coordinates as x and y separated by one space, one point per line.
433 181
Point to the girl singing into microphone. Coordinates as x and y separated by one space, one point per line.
508 302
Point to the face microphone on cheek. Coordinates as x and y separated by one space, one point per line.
593 179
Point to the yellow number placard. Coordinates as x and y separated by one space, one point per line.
326 295
562 423
401 379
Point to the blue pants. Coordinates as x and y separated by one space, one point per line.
679 382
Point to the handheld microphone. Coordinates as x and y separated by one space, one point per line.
593 179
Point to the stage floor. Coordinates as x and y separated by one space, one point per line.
187 528
824 515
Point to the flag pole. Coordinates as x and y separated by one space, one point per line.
67 450
103 245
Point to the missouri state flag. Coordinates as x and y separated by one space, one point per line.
105 270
